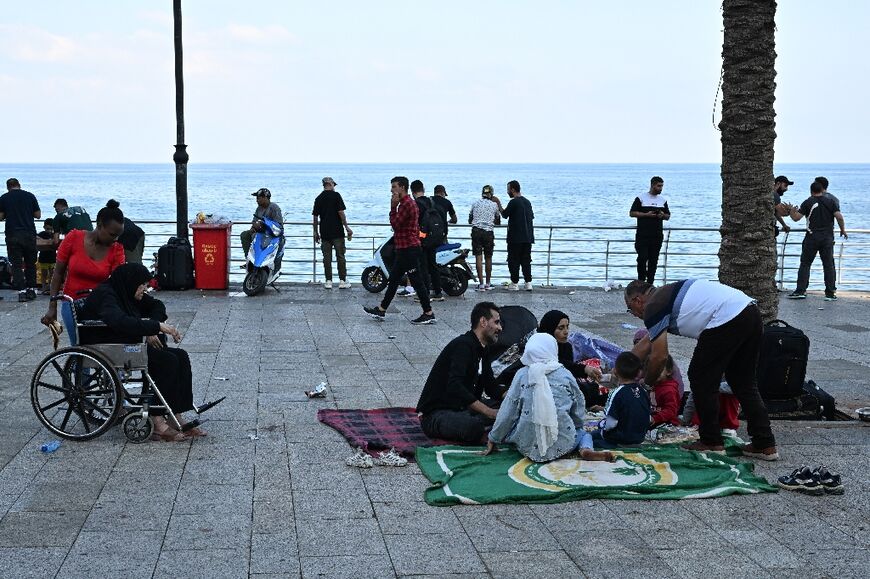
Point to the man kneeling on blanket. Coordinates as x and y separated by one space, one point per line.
542 413
450 405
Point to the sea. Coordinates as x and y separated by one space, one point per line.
591 199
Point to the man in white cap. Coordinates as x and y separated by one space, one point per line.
330 225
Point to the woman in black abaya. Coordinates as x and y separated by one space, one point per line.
122 304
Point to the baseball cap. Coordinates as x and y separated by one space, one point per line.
329 180
783 179
487 190
262 193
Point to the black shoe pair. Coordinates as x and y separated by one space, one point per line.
816 482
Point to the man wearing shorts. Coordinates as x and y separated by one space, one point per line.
484 216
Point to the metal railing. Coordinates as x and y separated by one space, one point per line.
563 255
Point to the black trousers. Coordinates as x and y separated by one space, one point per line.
407 262
730 349
823 244
170 370
21 246
648 250
430 273
519 255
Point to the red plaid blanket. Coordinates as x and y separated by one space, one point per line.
380 429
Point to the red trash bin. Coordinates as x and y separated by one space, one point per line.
211 255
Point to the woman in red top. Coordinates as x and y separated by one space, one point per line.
85 259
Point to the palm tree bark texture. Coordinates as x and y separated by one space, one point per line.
747 254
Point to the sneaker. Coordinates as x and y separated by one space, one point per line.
327 284
343 285
359 459
439 297
424 319
390 458
376 313
405 292
699 446
768 453
481 288
528 286
797 296
830 481
802 480
512 287
489 287
830 297
729 433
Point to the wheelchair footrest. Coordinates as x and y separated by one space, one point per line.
208 406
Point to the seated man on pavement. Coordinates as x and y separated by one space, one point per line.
450 405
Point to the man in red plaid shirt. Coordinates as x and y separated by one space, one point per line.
405 219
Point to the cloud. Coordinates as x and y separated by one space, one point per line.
37 45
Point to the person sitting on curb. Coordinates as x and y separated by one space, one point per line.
450 405
542 412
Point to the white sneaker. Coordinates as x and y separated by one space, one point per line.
343 285
512 287
729 433
528 286
390 458
481 288
489 287
327 284
359 459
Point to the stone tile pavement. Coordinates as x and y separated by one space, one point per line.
267 493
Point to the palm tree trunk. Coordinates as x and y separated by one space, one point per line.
747 255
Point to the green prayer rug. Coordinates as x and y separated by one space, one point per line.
460 475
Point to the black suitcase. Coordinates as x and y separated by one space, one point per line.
175 265
782 362
812 404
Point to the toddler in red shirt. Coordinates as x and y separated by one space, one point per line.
666 398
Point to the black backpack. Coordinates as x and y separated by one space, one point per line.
782 362
175 265
433 224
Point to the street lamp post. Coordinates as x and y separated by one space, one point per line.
180 157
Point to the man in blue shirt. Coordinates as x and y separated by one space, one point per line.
19 208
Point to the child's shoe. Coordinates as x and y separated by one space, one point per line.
359 459
390 458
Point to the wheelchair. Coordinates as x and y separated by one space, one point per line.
82 391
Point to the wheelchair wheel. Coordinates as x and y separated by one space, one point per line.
137 428
76 393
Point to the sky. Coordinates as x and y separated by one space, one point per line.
454 81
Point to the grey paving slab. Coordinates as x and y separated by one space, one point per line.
283 504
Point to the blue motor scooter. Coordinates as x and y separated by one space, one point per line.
264 257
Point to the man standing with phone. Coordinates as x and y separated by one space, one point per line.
651 210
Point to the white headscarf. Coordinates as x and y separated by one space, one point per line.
542 357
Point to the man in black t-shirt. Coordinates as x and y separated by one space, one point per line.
444 205
651 210
329 207
520 235
428 262
19 208
820 209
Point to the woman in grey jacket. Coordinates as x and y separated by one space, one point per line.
542 413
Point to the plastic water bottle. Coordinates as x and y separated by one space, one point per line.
49 447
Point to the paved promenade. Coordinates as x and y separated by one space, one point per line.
267 493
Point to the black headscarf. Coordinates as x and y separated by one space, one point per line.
124 281
550 321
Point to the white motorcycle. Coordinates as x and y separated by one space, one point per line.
451 265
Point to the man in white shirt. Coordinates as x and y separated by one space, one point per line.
727 324
484 216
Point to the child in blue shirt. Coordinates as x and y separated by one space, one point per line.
627 412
